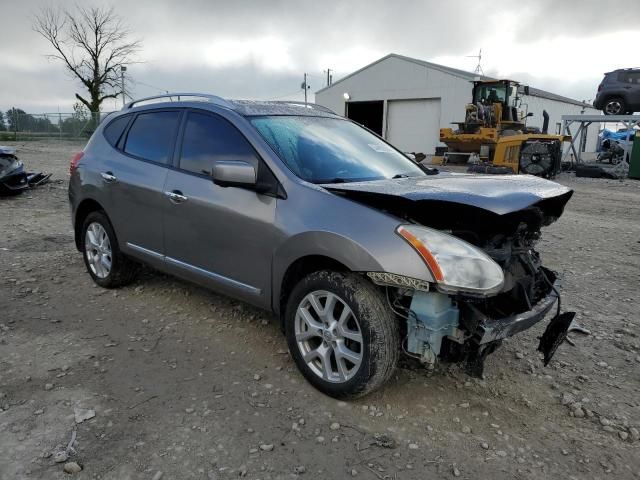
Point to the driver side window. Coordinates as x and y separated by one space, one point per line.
209 138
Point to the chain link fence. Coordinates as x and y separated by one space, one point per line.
21 126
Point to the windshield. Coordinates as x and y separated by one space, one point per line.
490 93
330 150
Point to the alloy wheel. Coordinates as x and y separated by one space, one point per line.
329 336
613 107
98 250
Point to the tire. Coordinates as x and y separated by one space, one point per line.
121 270
614 106
359 308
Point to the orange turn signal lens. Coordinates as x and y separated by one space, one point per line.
423 252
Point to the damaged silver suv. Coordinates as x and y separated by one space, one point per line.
359 251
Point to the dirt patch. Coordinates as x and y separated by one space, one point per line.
196 385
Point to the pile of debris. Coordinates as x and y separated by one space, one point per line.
14 179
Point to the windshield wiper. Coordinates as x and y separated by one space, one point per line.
331 180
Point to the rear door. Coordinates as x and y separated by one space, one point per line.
634 90
135 178
222 237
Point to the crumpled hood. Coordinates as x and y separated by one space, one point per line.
499 194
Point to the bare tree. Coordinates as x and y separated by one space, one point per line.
93 43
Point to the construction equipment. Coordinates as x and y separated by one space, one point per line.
495 137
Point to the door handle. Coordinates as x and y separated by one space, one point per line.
108 177
176 196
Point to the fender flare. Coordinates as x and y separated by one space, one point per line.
318 243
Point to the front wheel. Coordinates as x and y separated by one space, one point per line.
341 333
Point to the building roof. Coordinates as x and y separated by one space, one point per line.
470 76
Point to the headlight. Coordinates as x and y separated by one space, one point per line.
456 265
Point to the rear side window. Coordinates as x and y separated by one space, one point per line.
208 138
114 130
630 77
151 135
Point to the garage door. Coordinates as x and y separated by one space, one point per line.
414 125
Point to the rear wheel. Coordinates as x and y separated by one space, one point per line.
614 106
341 334
107 266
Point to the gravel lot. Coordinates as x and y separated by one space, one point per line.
183 383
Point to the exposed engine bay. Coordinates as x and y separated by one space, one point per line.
464 327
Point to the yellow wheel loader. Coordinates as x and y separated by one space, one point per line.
495 137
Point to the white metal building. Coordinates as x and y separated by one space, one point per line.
407 101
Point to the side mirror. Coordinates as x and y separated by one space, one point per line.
234 173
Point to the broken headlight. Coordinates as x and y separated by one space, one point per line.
456 266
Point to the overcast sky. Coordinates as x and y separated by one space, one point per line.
260 48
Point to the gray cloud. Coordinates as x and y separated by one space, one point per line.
547 18
185 49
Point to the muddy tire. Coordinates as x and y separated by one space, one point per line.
106 264
341 333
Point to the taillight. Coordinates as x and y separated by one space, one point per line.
74 161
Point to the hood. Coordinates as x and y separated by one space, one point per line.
498 194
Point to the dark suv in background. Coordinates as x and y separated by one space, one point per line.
619 92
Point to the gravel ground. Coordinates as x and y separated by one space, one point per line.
163 379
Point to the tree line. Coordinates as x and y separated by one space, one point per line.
17 120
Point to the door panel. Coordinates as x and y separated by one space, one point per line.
137 201
221 236
634 91
135 176
225 234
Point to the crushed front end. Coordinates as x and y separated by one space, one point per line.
466 320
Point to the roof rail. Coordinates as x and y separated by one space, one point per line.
298 103
179 96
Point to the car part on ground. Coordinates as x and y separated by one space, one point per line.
361 251
14 179
595 170
540 157
613 150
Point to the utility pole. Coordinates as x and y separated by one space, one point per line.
329 77
304 86
124 96
15 122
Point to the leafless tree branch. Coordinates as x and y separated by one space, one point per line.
93 43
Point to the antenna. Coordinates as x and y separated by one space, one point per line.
478 69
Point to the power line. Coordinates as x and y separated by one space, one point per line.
137 82
297 92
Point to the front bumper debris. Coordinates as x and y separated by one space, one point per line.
555 334
491 330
